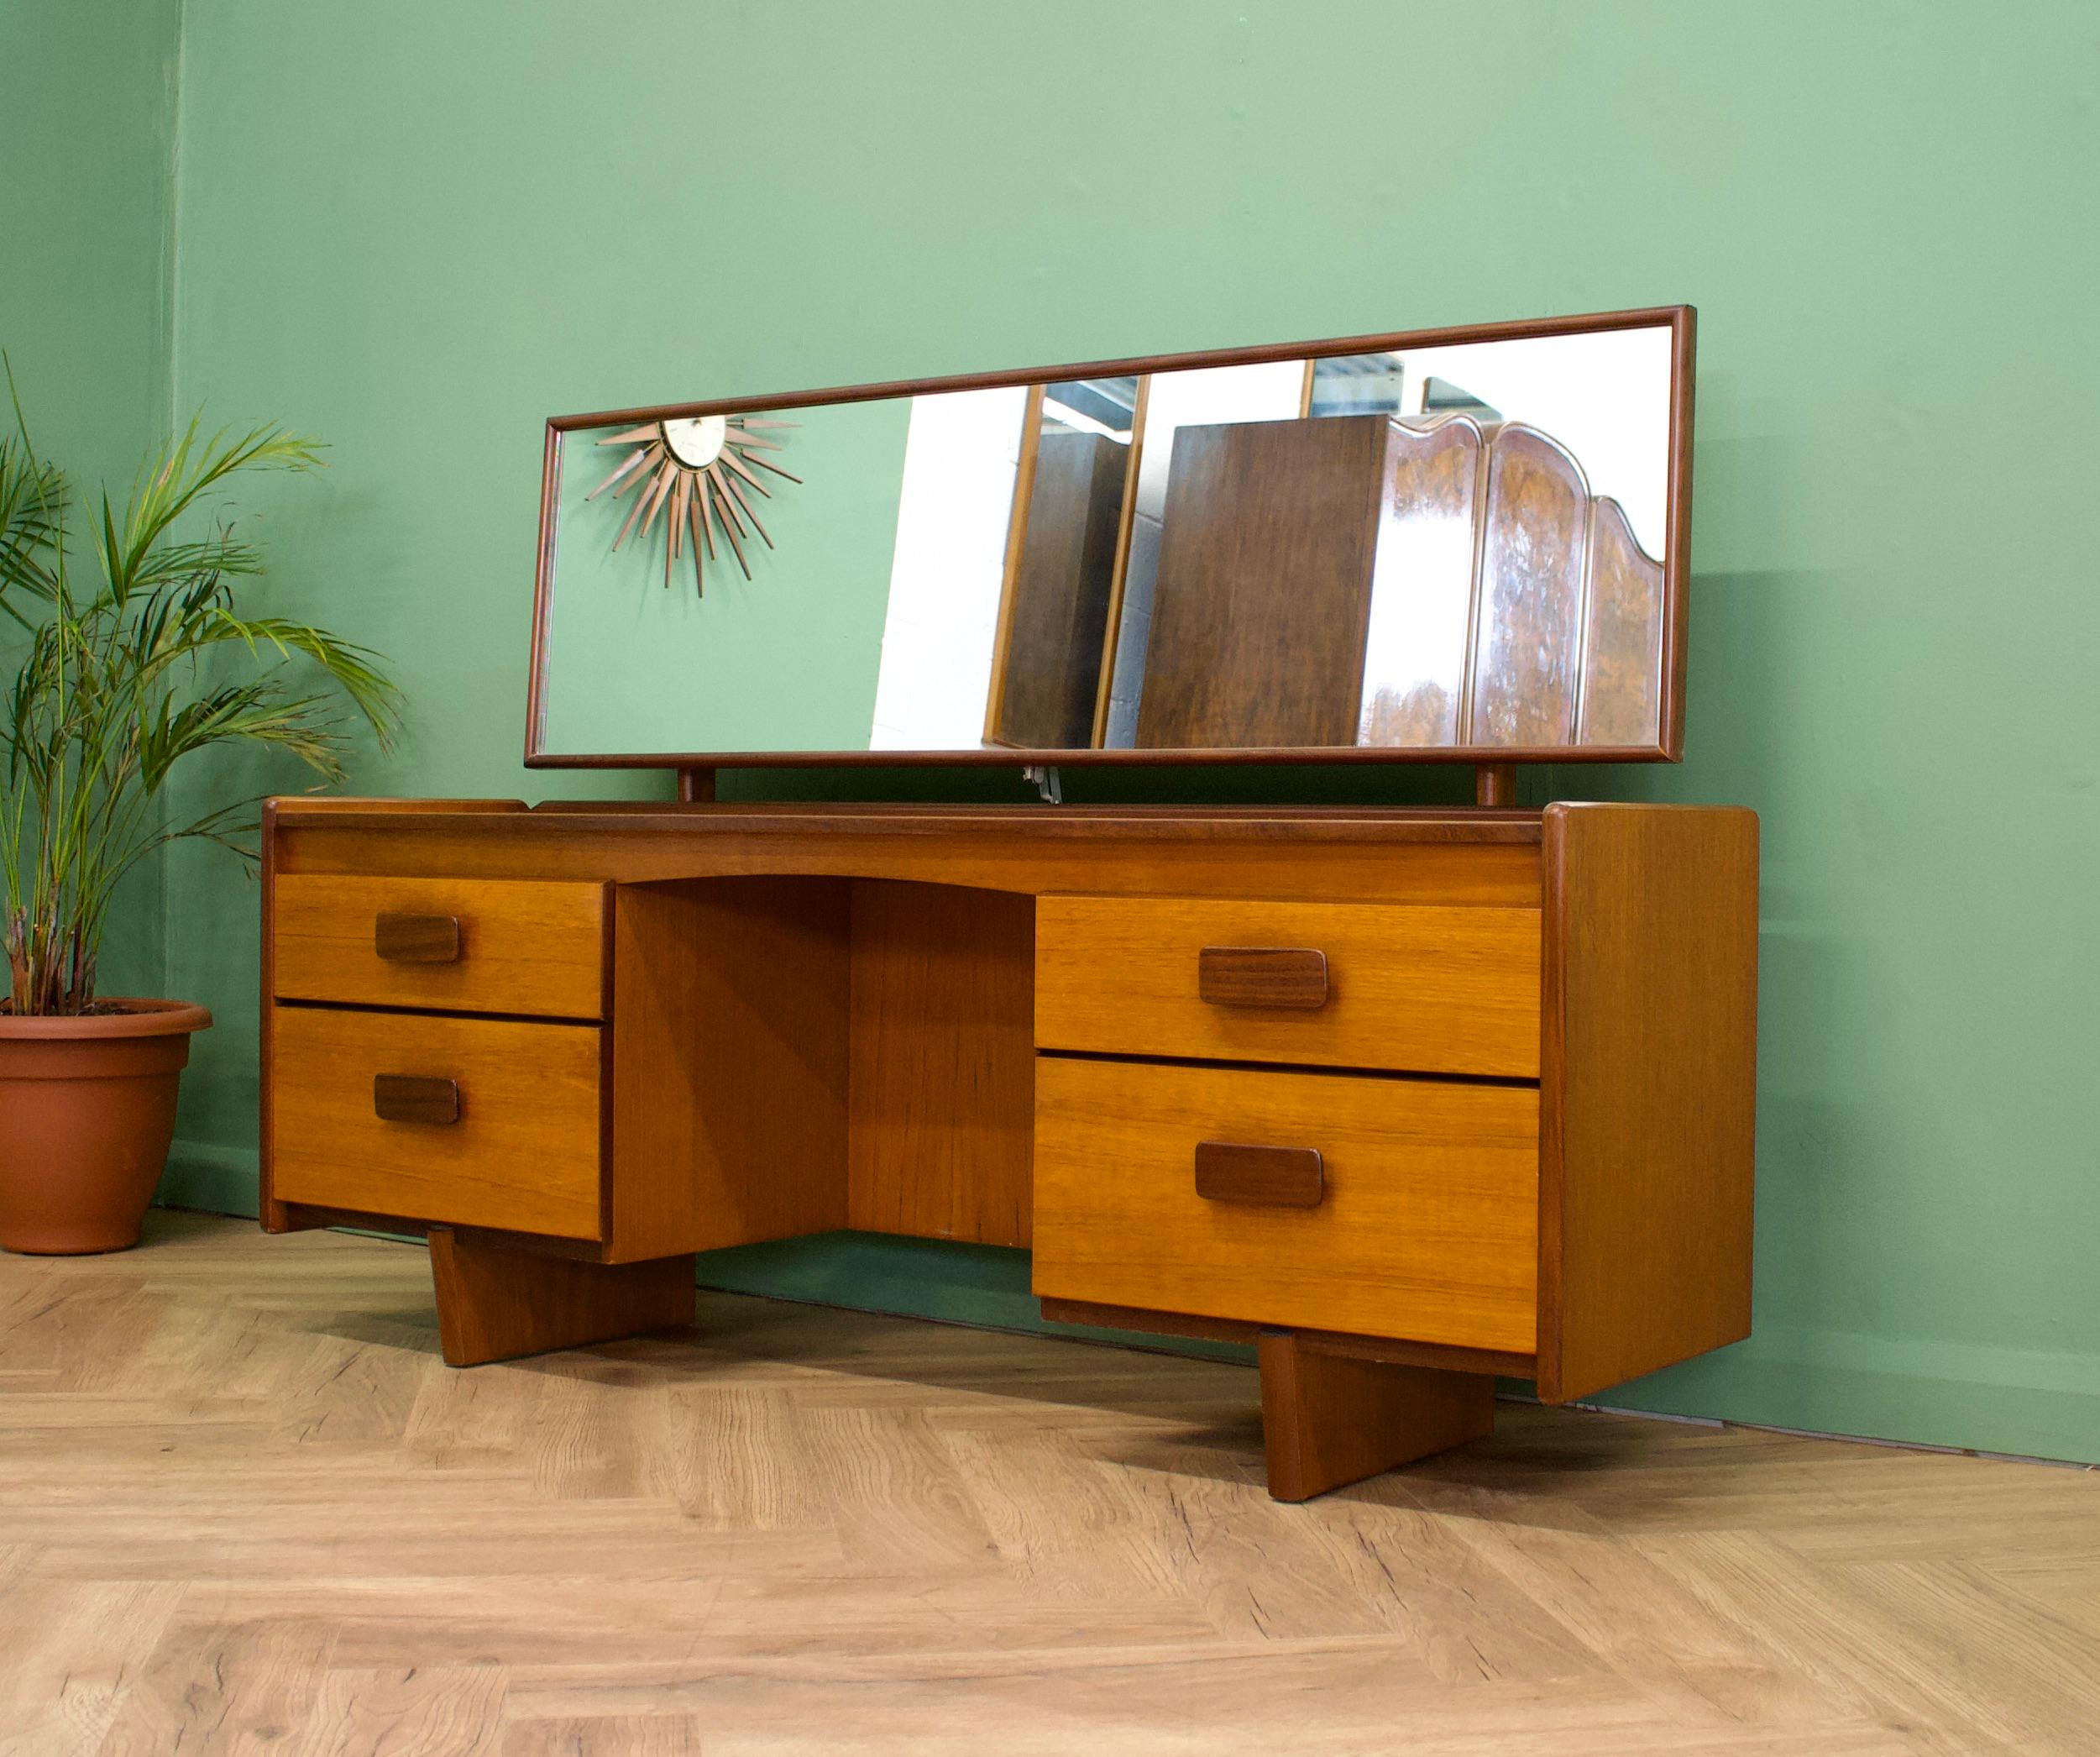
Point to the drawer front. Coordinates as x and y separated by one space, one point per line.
478 1122
1424 989
1195 1190
468 944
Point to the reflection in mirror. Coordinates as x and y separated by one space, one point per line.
1549 457
1204 395
961 456
867 618
1063 551
1447 547
1420 621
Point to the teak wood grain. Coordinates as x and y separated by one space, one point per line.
1427 989
806 1029
272 1214
522 1156
1428 1231
1145 1320
1262 976
1328 1419
275 1215
495 1304
1649 1081
942 1067
523 946
729 1063
1378 855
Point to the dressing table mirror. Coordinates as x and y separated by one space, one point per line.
1459 545
1408 1099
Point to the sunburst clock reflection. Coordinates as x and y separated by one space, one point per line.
701 477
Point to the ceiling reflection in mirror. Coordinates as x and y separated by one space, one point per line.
1457 546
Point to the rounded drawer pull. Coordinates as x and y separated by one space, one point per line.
1271 1176
404 939
409 1097
1262 976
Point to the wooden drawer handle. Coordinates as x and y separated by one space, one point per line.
409 1097
1273 1177
1262 976
416 939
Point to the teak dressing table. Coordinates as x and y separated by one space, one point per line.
1408 1098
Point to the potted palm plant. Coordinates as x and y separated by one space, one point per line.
122 674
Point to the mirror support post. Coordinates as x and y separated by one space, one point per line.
1494 784
696 786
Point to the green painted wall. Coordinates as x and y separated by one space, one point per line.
417 230
87 107
787 660
87 139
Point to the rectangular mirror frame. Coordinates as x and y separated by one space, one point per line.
1679 319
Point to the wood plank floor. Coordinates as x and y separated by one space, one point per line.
244 1508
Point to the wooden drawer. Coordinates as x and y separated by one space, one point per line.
522 1153
470 944
1424 1215
1421 989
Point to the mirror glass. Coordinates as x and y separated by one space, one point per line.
1460 545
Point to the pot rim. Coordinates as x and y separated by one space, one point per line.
140 1018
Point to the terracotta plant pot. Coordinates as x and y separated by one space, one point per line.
86 1112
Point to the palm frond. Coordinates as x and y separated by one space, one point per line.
124 677
189 469
33 496
354 669
221 553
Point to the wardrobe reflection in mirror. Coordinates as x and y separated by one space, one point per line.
1065 552
1434 546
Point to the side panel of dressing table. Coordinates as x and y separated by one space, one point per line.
1406 1099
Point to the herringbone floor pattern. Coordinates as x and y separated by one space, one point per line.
244 1508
